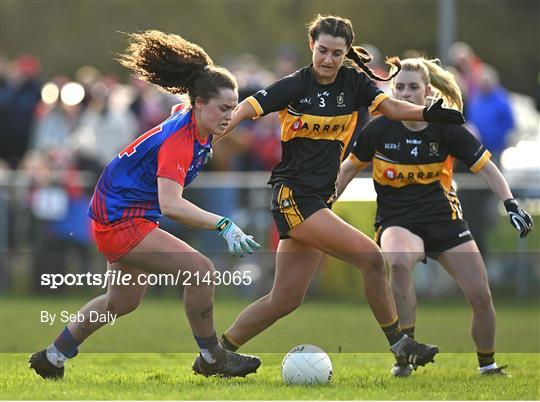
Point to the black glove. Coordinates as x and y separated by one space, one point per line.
519 218
438 114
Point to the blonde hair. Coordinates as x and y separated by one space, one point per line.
437 77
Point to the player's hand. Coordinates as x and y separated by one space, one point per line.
237 240
519 218
438 114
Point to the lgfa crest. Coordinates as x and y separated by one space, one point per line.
340 99
433 148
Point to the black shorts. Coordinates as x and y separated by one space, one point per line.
437 236
290 208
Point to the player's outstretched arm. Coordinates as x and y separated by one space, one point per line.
519 218
405 111
349 169
174 206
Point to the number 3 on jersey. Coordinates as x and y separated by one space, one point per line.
132 148
414 151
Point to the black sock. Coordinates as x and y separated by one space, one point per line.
409 331
392 332
485 358
227 344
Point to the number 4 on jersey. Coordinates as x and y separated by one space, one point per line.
414 151
132 148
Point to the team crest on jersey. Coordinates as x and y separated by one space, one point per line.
433 148
390 173
285 203
297 125
340 99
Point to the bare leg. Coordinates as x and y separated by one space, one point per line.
161 252
296 263
332 235
119 300
402 251
464 263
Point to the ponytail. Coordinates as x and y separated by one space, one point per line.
433 74
360 56
445 82
175 65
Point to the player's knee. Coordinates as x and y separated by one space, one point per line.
122 307
400 264
286 305
373 264
400 270
481 301
205 270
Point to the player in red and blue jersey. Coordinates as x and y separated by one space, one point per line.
146 180
127 191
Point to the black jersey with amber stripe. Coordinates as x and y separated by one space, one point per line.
412 170
317 123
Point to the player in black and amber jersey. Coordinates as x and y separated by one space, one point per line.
317 107
418 213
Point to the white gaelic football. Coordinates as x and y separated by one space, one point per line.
306 364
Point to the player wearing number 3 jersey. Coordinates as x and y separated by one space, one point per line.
317 108
144 181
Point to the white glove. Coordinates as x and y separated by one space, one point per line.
237 240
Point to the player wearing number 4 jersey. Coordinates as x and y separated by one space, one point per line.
317 107
144 181
418 213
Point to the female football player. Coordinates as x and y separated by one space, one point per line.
418 211
318 111
144 181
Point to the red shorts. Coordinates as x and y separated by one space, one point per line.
118 238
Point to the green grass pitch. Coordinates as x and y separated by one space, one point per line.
109 366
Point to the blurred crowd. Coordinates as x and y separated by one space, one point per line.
61 131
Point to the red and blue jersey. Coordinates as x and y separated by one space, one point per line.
128 187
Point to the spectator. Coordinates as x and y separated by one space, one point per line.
54 121
489 110
462 57
107 124
20 91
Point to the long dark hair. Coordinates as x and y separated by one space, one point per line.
175 65
342 27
